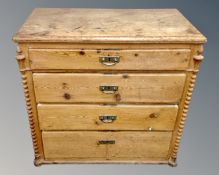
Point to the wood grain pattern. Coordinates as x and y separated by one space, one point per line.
151 59
78 145
134 145
86 117
58 57
73 145
108 25
67 87
108 46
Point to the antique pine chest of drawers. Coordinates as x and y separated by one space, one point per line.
107 86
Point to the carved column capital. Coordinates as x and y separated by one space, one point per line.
20 59
198 58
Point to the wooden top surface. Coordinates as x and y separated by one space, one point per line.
108 25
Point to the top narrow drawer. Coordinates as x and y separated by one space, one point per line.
150 59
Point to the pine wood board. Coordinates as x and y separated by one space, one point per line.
81 59
76 145
108 26
54 117
84 87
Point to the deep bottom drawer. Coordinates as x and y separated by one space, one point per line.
77 145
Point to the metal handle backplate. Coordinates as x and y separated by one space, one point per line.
109 60
108 89
107 118
106 142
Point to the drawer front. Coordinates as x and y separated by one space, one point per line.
140 145
102 88
151 59
75 145
96 117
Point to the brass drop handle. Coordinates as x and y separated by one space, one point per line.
109 60
107 118
109 89
106 142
